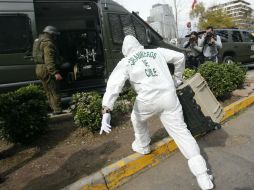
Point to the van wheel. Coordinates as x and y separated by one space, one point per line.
228 60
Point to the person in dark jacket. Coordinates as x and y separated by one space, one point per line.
195 56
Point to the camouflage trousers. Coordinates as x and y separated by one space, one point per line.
51 87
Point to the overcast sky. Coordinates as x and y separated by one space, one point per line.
144 6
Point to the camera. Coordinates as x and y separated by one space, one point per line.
208 38
192 39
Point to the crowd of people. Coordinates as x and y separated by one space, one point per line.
204 48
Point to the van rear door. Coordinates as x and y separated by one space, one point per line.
80 42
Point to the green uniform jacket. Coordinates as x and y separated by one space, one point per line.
50 57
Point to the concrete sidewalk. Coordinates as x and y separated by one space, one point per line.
230 155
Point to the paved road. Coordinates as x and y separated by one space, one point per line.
230 153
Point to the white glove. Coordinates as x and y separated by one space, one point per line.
177 82
105 123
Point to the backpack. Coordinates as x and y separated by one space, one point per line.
37 53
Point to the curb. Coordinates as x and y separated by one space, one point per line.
237 106
116 174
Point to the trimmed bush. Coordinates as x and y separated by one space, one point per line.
222 78
23 114
237 74
125 102
188 73
86 107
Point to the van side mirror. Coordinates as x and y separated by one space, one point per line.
148 35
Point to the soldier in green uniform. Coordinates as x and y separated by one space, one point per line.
46 57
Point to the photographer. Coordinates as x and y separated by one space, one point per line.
195 57
211 43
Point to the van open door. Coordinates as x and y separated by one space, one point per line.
80 41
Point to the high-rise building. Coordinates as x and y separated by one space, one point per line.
162 20
239 10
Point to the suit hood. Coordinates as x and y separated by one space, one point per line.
130 45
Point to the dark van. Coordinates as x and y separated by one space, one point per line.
92 32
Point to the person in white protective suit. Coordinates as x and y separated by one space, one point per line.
148 73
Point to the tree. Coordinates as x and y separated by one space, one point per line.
198 11
217 18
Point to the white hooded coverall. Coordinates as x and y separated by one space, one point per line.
149 75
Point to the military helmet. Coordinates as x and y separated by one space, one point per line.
51 30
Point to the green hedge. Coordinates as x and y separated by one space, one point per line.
86 108
222 78
188 73
23 114
125 101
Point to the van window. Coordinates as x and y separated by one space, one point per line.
236 36
125 24
15 33
247 37
140 32
116 28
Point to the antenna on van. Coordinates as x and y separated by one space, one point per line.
105 5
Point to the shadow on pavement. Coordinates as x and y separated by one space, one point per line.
215 138
51 139
80 164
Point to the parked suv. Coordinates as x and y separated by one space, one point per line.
237 46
